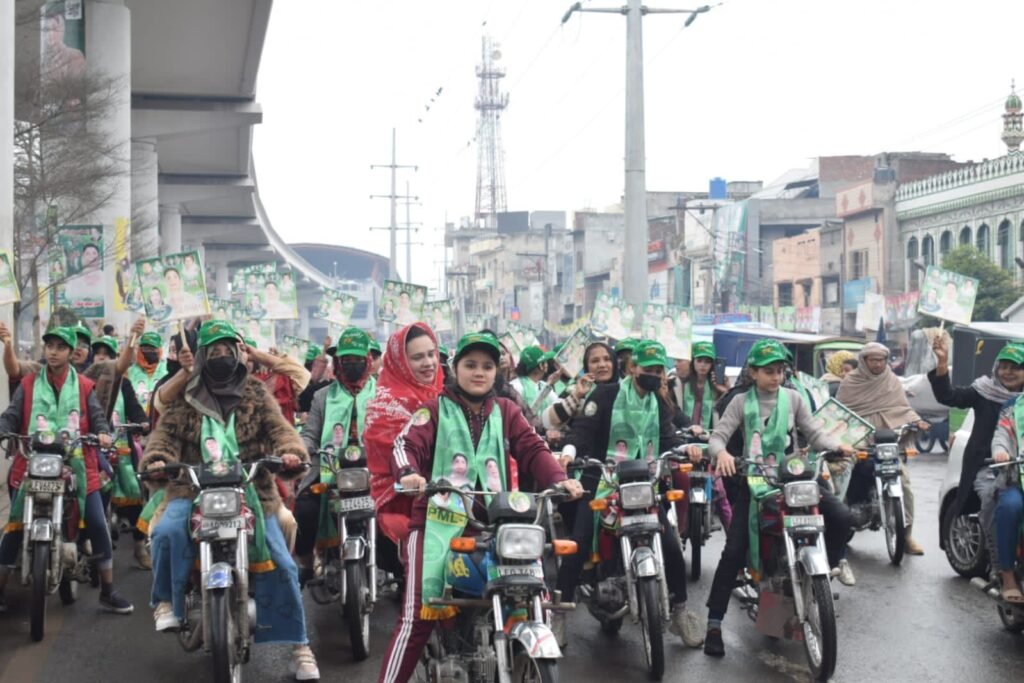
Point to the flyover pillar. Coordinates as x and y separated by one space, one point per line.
170 229
145 210
222 277
6 157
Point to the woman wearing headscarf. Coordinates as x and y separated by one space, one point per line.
839 363
986 396
874 393
598 368
223 405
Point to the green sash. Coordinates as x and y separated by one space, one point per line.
1018 418
220 459
760 440
144 383
124 487
637 422
527 388
50 415
707 403
446 514
338 411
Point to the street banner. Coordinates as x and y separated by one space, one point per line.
614 318
441 315
295 348
567 330
173 287
870 312
901 309
571 355
401 303
335 307
8 283
78 272
948 295
785 318
808 319
766 314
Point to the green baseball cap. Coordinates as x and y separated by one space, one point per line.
249 341
107 341
151 339
478 340
704 349
548 356
217 330
443 350
531 357
1013 352
351 342
628 344
374 346
82 331
765 352
313 352
649 353
67 335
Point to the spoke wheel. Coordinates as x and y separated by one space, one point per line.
819 626
650 627
357 614
37 609
895 528
526 669
965 545
226 667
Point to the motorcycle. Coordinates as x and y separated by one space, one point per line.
700 496
790 597
883 508
1010 613
496 580
347 574
220 614
630 578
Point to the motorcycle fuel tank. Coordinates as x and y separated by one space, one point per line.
467 572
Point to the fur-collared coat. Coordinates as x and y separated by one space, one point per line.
259 426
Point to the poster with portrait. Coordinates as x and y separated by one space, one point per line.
223 309
948 295
615 318
83 285
523 335
8 282
509 342
335 307
259 331
62 44
785 319
173 287
571 355
295 348
842 423
440 315
264 299
818 389
401 303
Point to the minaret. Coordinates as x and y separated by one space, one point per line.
1013 122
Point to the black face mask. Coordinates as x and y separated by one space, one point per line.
172 367
353 372
151 355
221 368
648 382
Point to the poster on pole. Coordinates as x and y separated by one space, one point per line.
402 303
509 342
336 307
948 295
571 355
173 287
440 315
295 348
82 282
8 283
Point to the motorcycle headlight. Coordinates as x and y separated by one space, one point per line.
45 466
802 494
638 496
887 451
220 503
520 542
356 479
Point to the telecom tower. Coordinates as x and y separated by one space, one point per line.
490 164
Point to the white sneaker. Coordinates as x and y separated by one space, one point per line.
845 575
688 626
304 664
558 628
164 617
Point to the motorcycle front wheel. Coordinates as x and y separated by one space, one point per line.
1012 618
37 610
226 667
526 669
650 627
357 616
819 627
895 528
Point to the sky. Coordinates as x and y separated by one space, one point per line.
751 89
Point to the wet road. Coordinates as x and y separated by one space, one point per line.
918 622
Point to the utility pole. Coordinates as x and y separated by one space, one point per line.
394 197
634 265
409 201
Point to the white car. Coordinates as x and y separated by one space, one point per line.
961 535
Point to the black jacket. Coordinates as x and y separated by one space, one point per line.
590 432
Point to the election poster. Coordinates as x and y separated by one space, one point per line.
402 303
839 421
571 355
336 307
259 331
8 283
295 348
80 270
948 295
671 326
440 316
173 287
614 318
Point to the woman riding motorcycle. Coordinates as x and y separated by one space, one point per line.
1008 495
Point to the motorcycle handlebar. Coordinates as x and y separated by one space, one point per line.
434 487
272 464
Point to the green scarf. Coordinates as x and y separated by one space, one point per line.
1018 418
137 376
221 460
760 439
338 410
635 420
446 515
124 487
55 411
707 403
527 389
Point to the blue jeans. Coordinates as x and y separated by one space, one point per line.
1009 514
280 616
96 530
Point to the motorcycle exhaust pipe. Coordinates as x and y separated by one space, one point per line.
987 587
620 613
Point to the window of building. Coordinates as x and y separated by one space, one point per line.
859 264
946 242
982 240
911 263
361 310
785 294
928 250
965 236
1003 245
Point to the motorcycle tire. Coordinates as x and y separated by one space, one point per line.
650 627
526 669
924 441
68 590
1013 620
820 639
966 550
37 609
895 529
357 616
696 533
226 668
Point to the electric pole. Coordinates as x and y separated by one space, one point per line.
409 201
394 197
634 265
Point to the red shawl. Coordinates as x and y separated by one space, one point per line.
399 393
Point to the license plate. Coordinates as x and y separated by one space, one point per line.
533 570
217 524
889 467
791 521
636 520
353 504
697 496
46 485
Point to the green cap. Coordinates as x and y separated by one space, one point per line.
217 330
649 353
1013 352
703 349
443 350
375 346
484 340
351 342
313 352
82 331
249 341
550 355
628 344
531 357
68 335
107 341
151 339
765 352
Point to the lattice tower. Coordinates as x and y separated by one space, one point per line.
490 165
